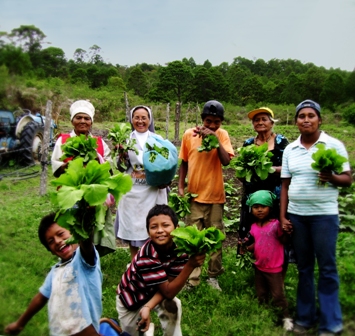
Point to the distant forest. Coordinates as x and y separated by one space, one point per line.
242 82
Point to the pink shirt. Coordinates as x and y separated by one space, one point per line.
268 249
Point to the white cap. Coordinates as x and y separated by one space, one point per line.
82 106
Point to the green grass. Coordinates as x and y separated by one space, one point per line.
24 263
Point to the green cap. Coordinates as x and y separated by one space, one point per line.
263 197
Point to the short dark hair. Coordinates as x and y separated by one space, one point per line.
162 209
46 222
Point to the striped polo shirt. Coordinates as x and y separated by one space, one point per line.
306 197
147 270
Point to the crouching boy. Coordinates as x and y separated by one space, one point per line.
154 277
72 288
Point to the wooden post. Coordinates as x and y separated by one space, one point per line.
197 115
128 117
167 121
187 117
177 121
45 146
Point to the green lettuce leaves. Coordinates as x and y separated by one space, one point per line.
327 160
209 142
191 240
81 193
120 137
80 147
253 162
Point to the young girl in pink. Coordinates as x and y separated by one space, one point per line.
266 240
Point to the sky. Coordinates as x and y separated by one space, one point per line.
128 32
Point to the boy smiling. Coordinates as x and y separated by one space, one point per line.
154 277
72 288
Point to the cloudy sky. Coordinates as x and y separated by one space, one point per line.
160 31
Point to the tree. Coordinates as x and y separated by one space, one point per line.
176 77
30 39
15 60
80 55
292 90
350 86
53 61
137 81
29 36
94 54
332 91
312 83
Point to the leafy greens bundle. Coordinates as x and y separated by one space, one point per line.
153 150
327 160
209 142
81 195
253 162
181 204
120 137
191 240
80 147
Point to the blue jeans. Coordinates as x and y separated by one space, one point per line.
314 238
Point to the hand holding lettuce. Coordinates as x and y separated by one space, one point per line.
191 240
120 137
79 147
327 160
253 163
82 195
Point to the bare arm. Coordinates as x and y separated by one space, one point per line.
36 304
145 311
285 223
87 250
339 180
182 176
223 155
169 289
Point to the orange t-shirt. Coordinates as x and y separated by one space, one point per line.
204 174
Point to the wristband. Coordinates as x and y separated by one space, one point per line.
147 307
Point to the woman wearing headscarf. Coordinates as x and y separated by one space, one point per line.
263 122
135 205
82 116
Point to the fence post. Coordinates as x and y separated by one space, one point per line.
128 117
167 121
45 146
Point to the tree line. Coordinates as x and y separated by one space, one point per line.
241 82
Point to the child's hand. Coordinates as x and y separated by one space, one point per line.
144 322
286 226
197 260
13 328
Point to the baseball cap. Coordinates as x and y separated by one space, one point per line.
251 114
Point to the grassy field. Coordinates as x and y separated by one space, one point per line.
24 263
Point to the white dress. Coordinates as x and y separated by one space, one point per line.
134 206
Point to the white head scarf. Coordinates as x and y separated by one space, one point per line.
82 106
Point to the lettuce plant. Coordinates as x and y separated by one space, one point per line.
253 163
191 240
80 147
81 194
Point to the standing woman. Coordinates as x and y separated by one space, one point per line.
311 211
263 122
134 206
82 116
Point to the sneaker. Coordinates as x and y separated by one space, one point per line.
298 329
287 324
213 282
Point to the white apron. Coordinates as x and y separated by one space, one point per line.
135 205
